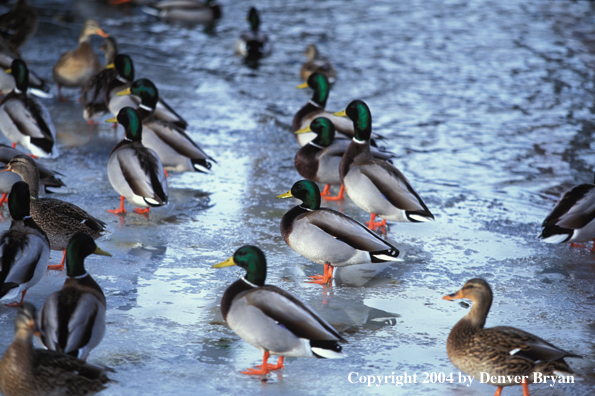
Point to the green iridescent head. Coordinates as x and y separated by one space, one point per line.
325 131
359 112
319 83
124 67
147 91
19 71
307 191
79 247
250 258
253 19
129 119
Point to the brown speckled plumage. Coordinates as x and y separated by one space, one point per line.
60 220
26 371
502 350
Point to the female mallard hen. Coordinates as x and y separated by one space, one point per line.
271 319
189 11
94 92
134 171
47 177
25 370
253 44
328 237
24 120
19 24
176 150
59 219
115 103
317 64
75 68
374 185
72 320
572 219
503 352
319 159
24 248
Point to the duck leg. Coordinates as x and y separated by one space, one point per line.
17 304
326 191
326 276
3 199
339 196
60 266
141 211
373 225
263 368
273 367
498 391
60 97
121 210
525 387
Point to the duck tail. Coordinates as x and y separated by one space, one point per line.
382 256
327 349
555 234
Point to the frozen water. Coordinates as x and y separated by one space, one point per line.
488 105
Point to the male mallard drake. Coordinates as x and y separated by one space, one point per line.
191 11
501 351
24 248
59 219
271 319
572 219
24 120
115 103
319 159
317 64
328 237
315 108
19 24
94 92
176 150
37 86
47 177
253 44
135 171
75 68
72 320
374 185
25 370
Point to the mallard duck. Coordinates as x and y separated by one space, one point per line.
25 370
328 237
503 352
135 171
19 24
374 185
125 68
60 220
191 11
315 108
47 177
317 64
319 159
253 44
24 120
271 319
24 248
72 320
37 86
75 68
176 150
94 93
572 219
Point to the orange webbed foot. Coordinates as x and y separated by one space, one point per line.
17 304
60 266
338 197
141 211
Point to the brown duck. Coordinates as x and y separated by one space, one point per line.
75 68
513 354
25 370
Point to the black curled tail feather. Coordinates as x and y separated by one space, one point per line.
329 345
382 256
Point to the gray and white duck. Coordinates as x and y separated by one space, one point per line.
271 319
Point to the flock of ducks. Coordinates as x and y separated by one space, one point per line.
336 149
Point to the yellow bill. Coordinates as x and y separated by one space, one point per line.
124 92
286 195
303 130
227 263
102 252
341 113
302 86
112 120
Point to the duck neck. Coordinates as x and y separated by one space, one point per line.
31 177
479 312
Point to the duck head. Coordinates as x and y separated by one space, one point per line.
250 258
324 130
359 112
306 191
80 247
319 83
